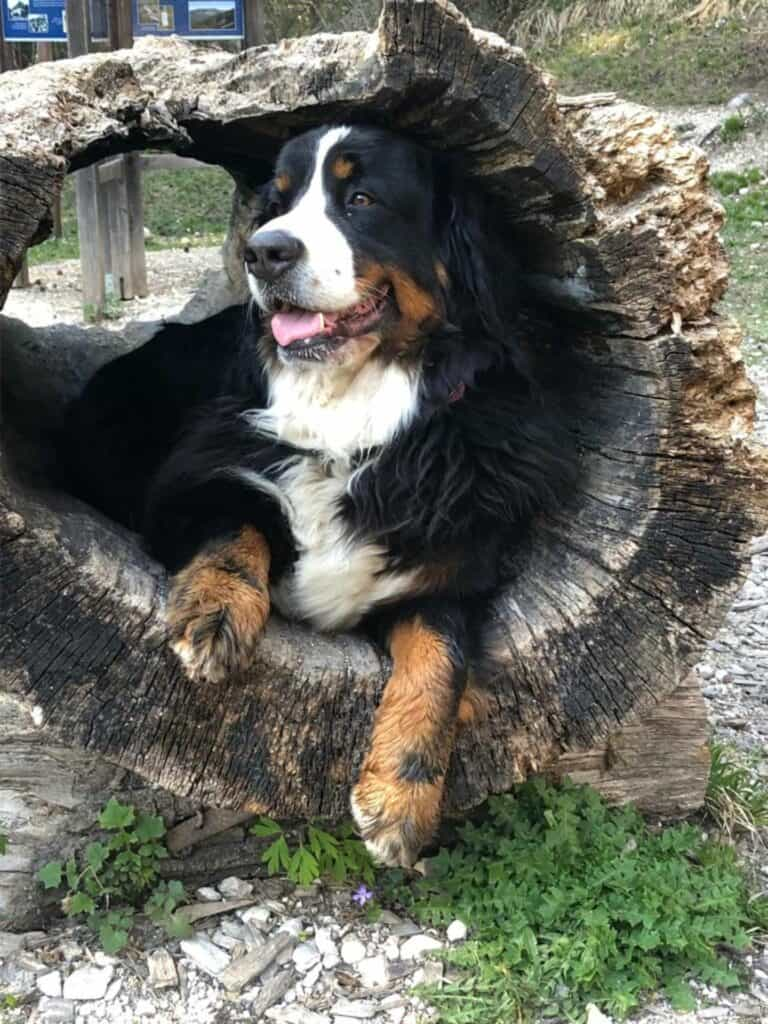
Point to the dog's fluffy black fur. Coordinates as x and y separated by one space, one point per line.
170 440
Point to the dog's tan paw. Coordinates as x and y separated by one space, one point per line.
396 817
216 611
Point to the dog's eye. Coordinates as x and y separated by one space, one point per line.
361 199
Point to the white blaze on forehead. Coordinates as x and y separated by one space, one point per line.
324 278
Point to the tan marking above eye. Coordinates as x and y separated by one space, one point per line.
342 168
282 182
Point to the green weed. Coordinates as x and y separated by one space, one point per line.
569 902
108 880
732 128
746 240
736 799
315 853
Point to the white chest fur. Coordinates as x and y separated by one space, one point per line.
338 576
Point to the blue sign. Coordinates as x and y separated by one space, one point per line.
34 21
193 19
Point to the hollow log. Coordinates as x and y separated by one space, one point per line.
613 597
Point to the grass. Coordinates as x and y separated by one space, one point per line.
736 800
181 208
661 61
571 902
746 240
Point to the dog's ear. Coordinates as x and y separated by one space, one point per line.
480 285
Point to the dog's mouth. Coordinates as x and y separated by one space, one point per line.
304 334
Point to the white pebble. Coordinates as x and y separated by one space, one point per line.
415 947
352 950
306 956
208 894
50 984
457 931
88 983
234 888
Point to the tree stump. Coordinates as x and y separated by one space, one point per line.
613 598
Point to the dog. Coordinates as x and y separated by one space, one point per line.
367 457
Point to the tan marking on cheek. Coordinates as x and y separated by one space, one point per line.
342 168
282 182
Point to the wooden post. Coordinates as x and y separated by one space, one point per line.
89 226
22 278
129 262
253 13
135 202
120 25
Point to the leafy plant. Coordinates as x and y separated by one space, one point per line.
315 853
729 182
732 128
3 844
109 879
570 901
736 799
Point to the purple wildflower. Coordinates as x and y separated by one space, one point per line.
362 895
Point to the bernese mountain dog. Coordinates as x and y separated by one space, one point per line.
362 446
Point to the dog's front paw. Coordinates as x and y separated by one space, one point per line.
215 619
395 816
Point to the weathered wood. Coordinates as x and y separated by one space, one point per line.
609 602
134 237
93 236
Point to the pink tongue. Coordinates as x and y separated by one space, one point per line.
295 326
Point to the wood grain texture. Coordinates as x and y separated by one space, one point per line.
609 603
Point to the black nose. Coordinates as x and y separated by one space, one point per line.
268 254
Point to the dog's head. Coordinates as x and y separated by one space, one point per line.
368 243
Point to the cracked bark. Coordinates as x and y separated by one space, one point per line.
611 600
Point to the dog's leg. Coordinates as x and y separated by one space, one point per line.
396 802
218 605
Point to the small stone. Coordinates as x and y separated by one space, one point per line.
234 929
415 947
713 1012
374 971
705 671
162 969
331 960
389 918
88 982
10 942
205 954
225 941
352 950
234 888
734 723
101 959
392 948
208 894
306 956
257 917
743 99
433 972
324 942
296 1015
293 926
50 984
405 929
56 1011
596 1016
243 971
358 1009
112 991
144 1008
457 931
272 992
396 1015
392 1002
